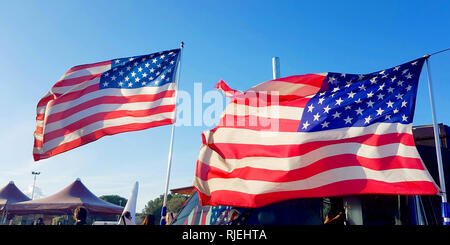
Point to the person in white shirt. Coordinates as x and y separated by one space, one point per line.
125 219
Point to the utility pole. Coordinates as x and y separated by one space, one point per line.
34 183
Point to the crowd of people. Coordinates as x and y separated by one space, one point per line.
80 216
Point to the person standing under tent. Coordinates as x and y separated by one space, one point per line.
80 215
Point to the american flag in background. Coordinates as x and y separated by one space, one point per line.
209 215
335 134
106 98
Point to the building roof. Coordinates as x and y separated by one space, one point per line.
189 190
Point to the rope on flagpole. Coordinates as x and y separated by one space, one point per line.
438 52
444 50
169 161
445 210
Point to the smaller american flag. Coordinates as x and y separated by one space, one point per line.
214 215
106 98
223 215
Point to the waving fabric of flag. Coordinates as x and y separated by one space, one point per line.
106 98
315 135
217 215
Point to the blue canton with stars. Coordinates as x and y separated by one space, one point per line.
149 70
348 100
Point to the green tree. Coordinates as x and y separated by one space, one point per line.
174 203
114 199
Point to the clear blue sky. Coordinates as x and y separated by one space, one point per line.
232 40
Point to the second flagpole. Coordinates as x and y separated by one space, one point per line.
169 159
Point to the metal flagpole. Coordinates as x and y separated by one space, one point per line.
444 205
169 161
276 67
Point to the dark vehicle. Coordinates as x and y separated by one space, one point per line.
345 210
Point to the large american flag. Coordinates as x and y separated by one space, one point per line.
320 135
106 98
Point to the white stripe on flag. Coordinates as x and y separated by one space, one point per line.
212 158
100 108
104 125
318 180
252 137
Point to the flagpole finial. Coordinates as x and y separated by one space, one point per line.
182 45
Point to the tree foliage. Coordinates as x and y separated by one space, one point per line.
174 203
114 199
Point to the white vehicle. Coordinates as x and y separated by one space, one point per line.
104 223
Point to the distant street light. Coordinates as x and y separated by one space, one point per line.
34 183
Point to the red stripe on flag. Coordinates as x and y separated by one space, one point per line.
75 81
206 172
76 94
85 121
46 99
205 211
98 134
259 123
342 188
221 85
109 100
315 80
39 130
233 151
261 100
87 66
194 214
